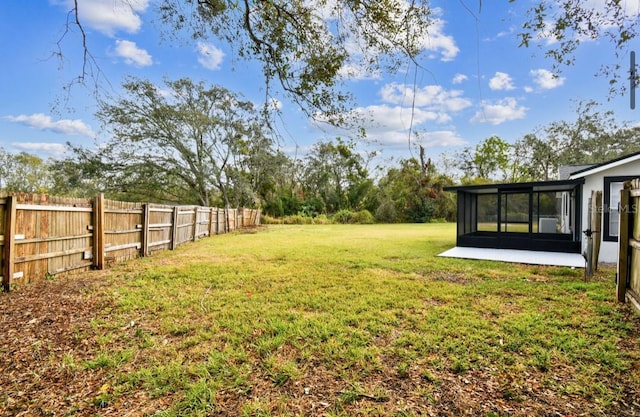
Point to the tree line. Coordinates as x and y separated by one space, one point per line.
191 143
594 136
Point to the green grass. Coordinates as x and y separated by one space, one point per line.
256 323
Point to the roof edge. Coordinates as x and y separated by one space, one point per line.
515 185
605 165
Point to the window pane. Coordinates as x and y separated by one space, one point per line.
488 213
515 213
614 202
548 216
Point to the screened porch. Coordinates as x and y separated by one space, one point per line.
538 216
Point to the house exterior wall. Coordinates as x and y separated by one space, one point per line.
608 250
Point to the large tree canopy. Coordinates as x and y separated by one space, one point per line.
306 47
188 141
302 46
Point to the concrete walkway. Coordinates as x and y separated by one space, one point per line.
518 256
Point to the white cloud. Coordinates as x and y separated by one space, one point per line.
546 34
501 81
499 112
44 122
405 109
353 71
629 9
509 32
459 78
110 16
545 79
428 139
386 118
132 54
53 149
274 104
433 97
210 56
437 41
440 138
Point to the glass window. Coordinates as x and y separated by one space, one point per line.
613 206
611 203
548 212
544 212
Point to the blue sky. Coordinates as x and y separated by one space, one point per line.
475 81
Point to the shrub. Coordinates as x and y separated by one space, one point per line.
296 219
349 217
343 217
386 212
266 219
321 219
363 217
438 220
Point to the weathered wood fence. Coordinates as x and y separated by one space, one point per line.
628 275
43 235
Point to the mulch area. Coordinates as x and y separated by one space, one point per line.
46 335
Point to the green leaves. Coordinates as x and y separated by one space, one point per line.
560 27
302 46
187 140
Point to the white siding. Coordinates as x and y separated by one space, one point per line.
608 250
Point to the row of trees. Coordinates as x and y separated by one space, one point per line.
594 136
332 178
188 143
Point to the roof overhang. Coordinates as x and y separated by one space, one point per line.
540 186
605 166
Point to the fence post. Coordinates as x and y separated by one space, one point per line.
196 211
98 232
9 243
210 221
174 228
145 229
623 250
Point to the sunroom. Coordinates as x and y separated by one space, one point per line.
533 216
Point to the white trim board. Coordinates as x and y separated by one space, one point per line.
574 260
603 167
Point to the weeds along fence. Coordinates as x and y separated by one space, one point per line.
42 235
628 275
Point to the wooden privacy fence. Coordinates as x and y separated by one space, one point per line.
628 276
42 235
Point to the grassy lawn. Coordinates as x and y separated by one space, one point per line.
336 320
